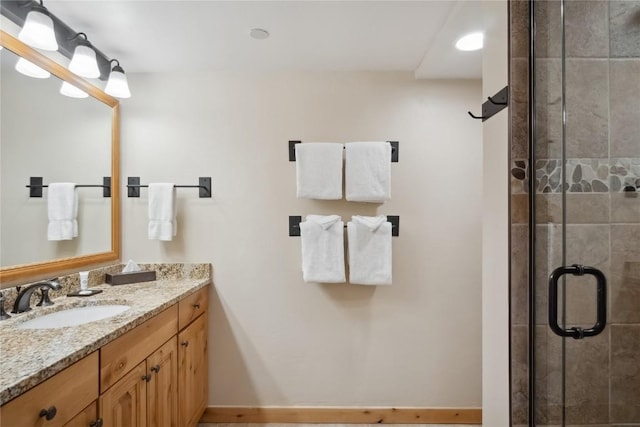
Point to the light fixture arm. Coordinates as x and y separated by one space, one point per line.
16 11
116 67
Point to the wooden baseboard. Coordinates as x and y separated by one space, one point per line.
337 415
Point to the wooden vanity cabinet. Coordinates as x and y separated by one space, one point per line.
170 385
155 375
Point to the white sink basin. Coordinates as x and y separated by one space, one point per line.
74 316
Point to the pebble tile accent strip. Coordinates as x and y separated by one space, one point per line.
583 175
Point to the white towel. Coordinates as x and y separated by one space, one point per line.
368 171
62 208
162 211
319 170
322 239
369 250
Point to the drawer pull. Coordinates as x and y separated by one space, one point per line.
196 306
155 369
96 423
185 343
146 378
49 414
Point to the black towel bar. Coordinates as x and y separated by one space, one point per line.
395 150
294 225
204 184
35 186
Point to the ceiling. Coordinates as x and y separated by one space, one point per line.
159 36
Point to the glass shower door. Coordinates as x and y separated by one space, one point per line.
587 210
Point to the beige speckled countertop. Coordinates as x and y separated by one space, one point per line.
28 357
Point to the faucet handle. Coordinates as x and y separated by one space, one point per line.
44 297
3 314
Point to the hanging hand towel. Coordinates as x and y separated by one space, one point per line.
319 170
368 171
62 207
162 211
369 250
322 239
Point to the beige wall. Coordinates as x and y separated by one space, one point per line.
274 339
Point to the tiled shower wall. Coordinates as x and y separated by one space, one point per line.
602 207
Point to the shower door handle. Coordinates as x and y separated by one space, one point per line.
601 306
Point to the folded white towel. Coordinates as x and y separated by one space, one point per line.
319 170
62 208
368 171
322 239
369 250
162 211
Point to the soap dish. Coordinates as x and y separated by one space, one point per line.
88 294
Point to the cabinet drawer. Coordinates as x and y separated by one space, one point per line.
125 352
69 392
192 306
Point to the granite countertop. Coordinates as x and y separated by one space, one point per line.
28 357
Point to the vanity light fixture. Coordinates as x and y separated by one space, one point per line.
67 89
85 59
83 62
30 69
470 42
38 30
117 84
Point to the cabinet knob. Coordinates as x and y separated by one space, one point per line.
146 378
196 306
48 414
155 369
185 343
96 423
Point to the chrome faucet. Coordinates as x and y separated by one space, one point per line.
24 297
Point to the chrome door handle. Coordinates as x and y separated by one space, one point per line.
601 292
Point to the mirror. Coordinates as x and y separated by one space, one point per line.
61 139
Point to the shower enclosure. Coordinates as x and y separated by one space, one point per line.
582 309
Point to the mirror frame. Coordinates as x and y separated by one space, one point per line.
11 274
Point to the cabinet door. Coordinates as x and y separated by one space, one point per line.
87 418
193 372
125 403
162 389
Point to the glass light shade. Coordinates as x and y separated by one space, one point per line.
67 89
473 41
30 69
37 31
84 62
117 85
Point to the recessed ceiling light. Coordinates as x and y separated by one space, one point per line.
470 42
259 33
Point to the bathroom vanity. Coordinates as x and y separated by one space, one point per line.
145 367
